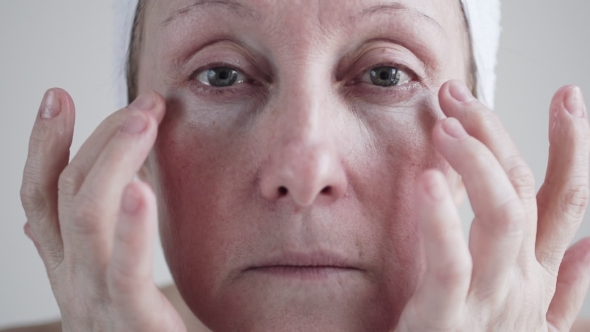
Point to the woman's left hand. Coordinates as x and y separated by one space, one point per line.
515 274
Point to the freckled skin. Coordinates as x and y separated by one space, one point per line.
220 159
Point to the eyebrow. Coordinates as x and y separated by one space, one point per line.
242 10
232 5
396 6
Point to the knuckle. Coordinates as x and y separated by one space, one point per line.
481 156
54 259
521 177
506 221
484 118
70 180
454 273
575 201
84 217
33 199
122 280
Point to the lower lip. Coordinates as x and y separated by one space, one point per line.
303 272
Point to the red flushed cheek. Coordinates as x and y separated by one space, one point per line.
202 222
211 214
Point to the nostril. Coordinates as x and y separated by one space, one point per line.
327 190
283 191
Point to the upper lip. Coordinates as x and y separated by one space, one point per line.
306 259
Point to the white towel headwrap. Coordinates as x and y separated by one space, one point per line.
483 17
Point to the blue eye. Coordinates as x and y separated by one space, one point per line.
386 76
221 77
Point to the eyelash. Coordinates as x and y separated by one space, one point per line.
411 74
219 91
234 89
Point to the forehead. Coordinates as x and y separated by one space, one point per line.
326 14
287 31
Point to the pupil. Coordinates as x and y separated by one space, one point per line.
223 75
385 76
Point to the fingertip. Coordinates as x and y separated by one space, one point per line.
152 103
132 199
573 102
68 105
568 98
160 108
447 133
434 185
137 199
131 262
57 104
459 91
452 94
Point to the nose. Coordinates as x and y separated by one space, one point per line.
304 162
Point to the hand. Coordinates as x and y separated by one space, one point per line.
92 226
515 274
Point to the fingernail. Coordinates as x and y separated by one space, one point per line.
454 128
460 92
131 200
145 101
51 106
574 102
135 124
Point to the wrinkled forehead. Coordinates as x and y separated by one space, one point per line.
297 17
290 33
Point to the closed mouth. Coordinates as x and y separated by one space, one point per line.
315 265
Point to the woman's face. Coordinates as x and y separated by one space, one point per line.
285 165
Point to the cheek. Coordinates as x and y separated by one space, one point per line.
401 152
213 218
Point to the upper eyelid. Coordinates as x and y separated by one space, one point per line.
383 52
197 72
357 77
365 59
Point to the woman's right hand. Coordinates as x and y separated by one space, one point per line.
92 225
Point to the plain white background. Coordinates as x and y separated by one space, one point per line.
67 43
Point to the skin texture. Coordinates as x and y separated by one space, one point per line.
220 159
194 325
305 197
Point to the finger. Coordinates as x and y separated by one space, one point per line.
89 233
498 228
439 300
564 195
83 161
129 276
483 124
572 286
49 152
130 268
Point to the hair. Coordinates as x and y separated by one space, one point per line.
137 33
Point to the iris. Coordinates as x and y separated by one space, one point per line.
385 76
222 76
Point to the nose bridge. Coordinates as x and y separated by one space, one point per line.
303 162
